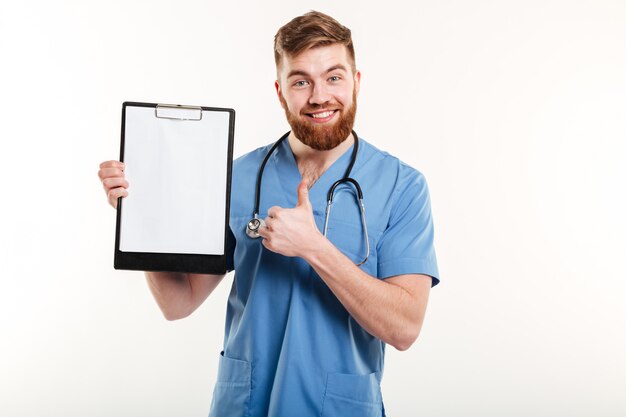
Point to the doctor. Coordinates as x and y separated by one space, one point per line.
306 328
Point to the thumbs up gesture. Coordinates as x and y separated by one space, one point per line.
292 232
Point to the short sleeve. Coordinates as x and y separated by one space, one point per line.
407 244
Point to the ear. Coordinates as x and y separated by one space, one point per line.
357 82
279 94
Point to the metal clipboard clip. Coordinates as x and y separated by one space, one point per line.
178 112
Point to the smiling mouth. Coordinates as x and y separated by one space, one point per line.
322 116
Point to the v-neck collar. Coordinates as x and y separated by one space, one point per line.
286 173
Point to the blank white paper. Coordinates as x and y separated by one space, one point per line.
177 174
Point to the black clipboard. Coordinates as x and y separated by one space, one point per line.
179 168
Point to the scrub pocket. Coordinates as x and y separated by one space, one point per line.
349 395
349 239
231 395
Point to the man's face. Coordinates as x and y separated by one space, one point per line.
318 91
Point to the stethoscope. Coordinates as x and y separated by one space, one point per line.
253 226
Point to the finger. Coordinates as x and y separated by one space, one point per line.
115 182
264 232
268 245
303 193
114 194
266 229
274 211
110 172
112 164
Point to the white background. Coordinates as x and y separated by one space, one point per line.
514 111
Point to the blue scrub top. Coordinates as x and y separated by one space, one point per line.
290 347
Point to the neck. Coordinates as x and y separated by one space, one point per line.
305 154
313 163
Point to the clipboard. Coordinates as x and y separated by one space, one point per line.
179 168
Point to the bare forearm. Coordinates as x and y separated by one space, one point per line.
385 310
170 290
179 294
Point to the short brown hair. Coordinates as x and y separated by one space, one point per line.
311 30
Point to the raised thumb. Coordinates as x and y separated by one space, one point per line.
303 193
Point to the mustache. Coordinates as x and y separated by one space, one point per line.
317 107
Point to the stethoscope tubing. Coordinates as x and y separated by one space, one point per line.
254 224
259 178
331 194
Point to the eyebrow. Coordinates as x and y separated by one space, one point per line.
306 74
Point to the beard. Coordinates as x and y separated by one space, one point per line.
321 137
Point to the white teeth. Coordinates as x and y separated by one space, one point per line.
322 115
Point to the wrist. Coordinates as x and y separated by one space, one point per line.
316 249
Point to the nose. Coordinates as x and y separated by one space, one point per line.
319 94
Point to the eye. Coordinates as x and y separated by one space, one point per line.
334 78
300 83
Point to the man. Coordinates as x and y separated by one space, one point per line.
306 328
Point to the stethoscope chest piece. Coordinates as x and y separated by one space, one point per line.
252 229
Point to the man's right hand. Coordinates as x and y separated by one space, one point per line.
111 174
